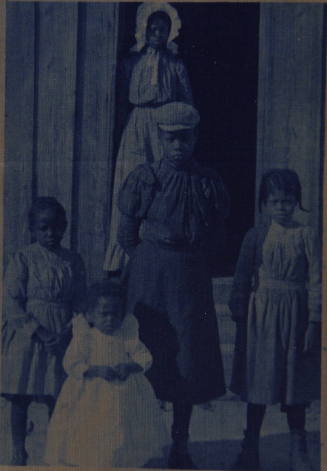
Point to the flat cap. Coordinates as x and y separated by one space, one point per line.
176 116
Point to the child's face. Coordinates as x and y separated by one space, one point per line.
47 229
280 207
106 315
178 145
157 33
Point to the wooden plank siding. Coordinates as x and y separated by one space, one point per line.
56 102
19 124
95 147
291 98
60 93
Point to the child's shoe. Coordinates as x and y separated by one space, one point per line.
179 457
180 460
299 453
248 459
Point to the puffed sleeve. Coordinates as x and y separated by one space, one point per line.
77 354
184 85
137 191
134 201
242 282
313 253
15 295
79 284
136 350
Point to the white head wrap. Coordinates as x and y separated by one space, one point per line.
144 11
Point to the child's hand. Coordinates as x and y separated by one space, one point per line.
104 372
312 337
123 370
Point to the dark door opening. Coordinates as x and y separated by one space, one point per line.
219 45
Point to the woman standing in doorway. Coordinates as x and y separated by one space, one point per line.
152 75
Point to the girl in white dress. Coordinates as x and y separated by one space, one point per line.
276 304
106 414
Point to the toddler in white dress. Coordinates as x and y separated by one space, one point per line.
107 413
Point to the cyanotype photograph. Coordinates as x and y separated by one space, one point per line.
162 235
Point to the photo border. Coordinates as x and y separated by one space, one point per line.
323 414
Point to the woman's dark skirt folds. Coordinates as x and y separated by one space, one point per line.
170 293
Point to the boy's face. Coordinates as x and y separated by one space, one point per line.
281 206
47 229
107 314
178 145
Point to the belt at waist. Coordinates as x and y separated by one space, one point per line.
149 105
176 246
59 303
283 285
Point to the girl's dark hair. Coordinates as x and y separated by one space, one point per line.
159 15
104 288
47 202
280 179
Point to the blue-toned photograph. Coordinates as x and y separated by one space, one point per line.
163 219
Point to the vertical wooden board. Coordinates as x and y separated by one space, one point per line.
290 96
56 102
19 103
307 107
95 152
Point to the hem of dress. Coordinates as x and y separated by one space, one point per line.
244 398
34 397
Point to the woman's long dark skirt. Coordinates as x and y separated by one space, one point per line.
170 293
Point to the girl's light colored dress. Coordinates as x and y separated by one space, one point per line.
277 287
148 79
101 423
42 288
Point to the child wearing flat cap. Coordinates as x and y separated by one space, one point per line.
172 213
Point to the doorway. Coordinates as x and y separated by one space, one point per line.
219 45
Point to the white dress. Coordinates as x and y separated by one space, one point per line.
99 423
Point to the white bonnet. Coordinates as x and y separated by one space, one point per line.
144 11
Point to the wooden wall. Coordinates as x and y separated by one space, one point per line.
60 83
290 130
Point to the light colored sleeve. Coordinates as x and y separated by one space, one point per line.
76 359
136 350
313 253
15 295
